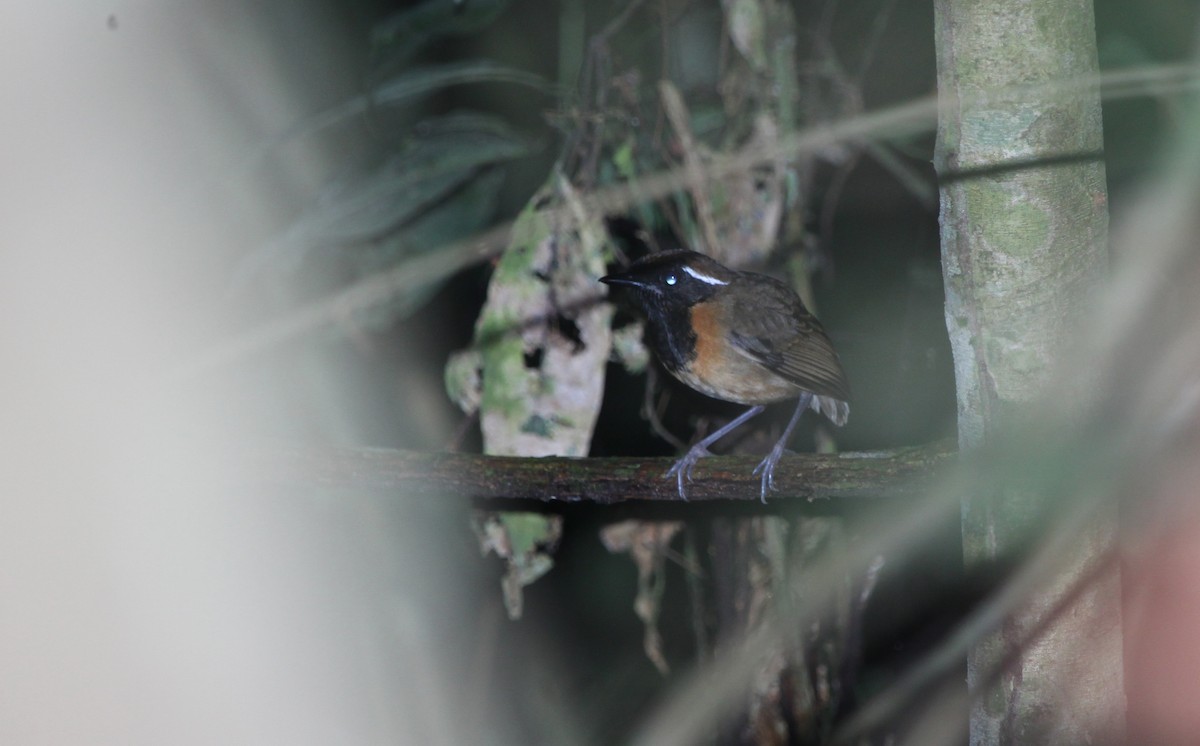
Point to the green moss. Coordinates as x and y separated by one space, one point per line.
526 531
513 265
503 366
462 379
538 425
1015 226
1029 225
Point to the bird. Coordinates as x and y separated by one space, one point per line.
741 337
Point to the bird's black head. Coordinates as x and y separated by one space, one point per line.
672 279
666 286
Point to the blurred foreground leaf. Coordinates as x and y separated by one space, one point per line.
438 185
404 87
538 361
399 37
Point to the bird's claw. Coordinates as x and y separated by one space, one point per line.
767 468
682 470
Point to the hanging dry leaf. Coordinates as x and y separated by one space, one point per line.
647 543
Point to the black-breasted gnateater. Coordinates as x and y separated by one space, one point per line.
737 336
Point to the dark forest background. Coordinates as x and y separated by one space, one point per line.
868 234
200 195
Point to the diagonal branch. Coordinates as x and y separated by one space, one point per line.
891 473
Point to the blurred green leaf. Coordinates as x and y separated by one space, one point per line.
439 184
468 211
398 38
442 155
426 79
404 88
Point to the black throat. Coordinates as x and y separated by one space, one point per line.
669 328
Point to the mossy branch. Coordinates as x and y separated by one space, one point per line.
870 474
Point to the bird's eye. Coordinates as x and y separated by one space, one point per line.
671 279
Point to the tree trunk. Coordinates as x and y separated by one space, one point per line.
1024 229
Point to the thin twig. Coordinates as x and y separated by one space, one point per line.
693 162
653 413
874 36
696 597
454 444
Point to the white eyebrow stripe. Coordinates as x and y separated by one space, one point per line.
703 277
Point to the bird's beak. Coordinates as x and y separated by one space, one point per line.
621 280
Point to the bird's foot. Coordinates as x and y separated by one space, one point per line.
682 470
767 468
